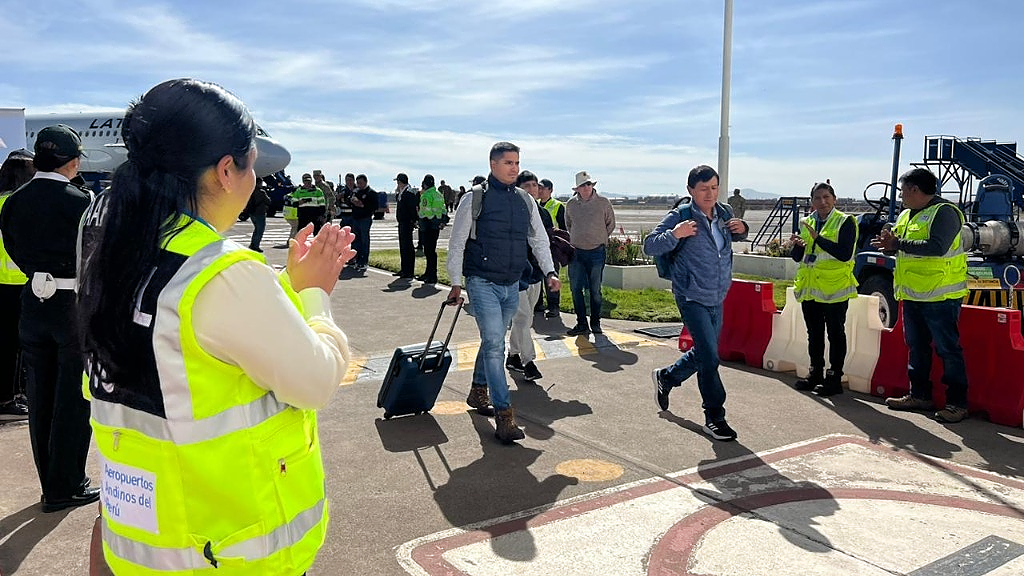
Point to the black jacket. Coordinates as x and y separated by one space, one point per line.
39 223
408 203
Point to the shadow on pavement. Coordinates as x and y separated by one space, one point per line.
605 355
425 291
496 485
21 531
735 492
398 285
536 410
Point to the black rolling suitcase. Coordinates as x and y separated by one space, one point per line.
416 372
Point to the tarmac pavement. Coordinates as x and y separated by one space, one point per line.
603 482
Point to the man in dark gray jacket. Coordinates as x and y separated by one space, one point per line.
701 235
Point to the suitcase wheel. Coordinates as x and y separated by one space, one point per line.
388 415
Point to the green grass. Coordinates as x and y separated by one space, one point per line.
647 305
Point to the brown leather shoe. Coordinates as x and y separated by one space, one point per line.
480 400
505 427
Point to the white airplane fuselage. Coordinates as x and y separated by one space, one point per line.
105 151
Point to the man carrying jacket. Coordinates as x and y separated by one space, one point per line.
493 229
701 276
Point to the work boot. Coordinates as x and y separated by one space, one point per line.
908 402
813 380
505 428
831 386
480 400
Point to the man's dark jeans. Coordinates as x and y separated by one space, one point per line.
259 224
927 322
361 244
817 317
705 325
585 272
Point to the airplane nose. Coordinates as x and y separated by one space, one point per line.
271 157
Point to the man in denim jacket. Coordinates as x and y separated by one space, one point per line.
703 232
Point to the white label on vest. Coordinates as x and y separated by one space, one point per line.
129 496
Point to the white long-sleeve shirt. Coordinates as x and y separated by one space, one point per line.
243 317
463 222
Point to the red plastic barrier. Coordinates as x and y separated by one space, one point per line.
890 376
994 355
746 323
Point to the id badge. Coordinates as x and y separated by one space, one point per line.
810 258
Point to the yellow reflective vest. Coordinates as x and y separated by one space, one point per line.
929 278
9 271
821 277
553 207
222 475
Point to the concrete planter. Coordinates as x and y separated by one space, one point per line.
633 277
781 268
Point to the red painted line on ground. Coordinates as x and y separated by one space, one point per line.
673 554
430 555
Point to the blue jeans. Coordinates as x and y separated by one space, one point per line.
923 323
585 271
259 224
361 244
493 308
705 325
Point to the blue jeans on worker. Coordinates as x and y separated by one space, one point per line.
493 308
704 324
361 244
923 324
585 271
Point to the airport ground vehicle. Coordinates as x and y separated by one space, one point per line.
992 234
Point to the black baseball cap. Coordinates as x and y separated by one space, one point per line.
478 180
59 140
547 184
402 177
21 154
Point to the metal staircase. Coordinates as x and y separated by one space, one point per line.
787 210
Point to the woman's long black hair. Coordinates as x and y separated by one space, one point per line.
174 133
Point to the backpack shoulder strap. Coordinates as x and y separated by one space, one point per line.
478 206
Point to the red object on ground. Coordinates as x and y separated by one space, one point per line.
746 323
994 355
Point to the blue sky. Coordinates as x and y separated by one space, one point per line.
627 90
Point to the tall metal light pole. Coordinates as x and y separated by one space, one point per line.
723 139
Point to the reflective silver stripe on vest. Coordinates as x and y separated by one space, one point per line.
937 294
188 431
252 550
170 359
824 298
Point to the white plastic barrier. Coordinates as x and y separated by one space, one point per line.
863 342
787 349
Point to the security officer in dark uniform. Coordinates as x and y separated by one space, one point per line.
39 223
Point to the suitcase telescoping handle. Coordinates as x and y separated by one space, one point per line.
451 329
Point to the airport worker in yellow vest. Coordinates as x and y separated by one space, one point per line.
931 281
824 286
204 412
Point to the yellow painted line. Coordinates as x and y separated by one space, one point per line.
590 470
630 339
355 366
538 351
466 355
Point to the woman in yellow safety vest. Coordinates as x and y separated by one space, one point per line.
16 170
203 366
824 285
